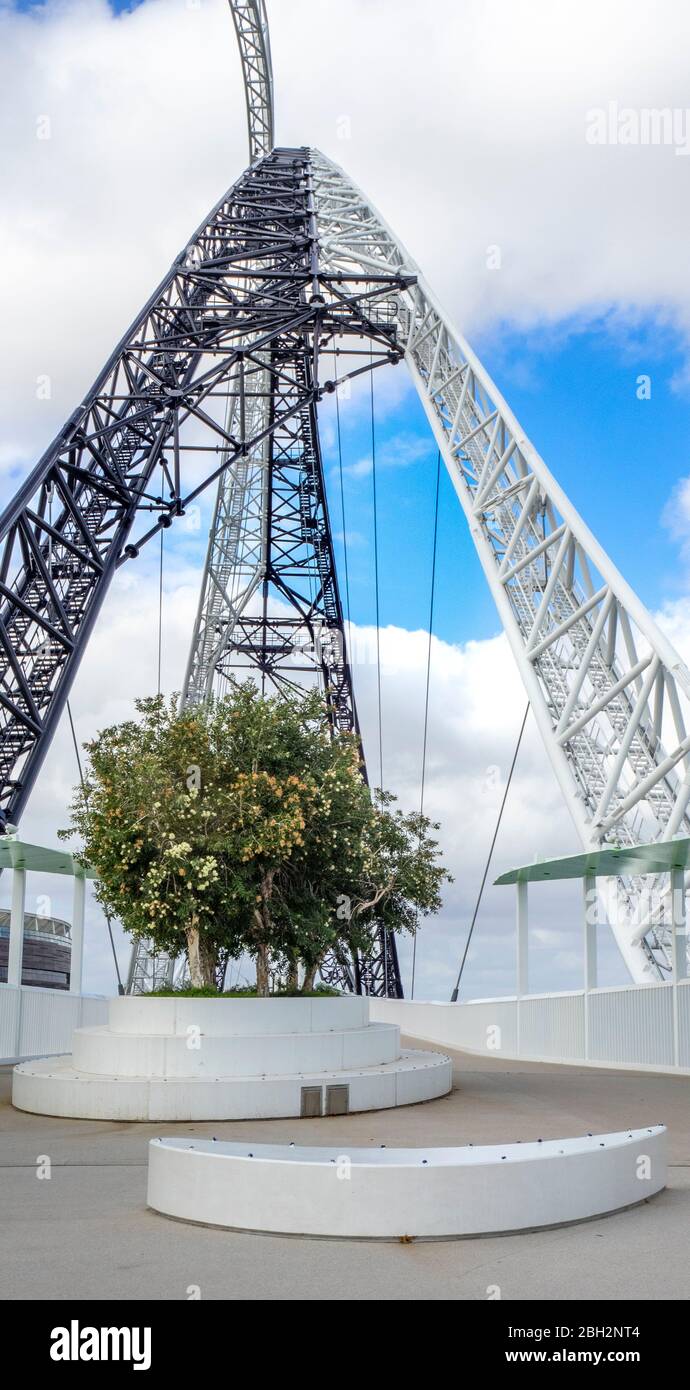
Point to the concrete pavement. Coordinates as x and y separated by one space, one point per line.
86 1233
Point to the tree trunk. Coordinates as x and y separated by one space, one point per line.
293 976
202 972
262 970
209 962
262 918
310 975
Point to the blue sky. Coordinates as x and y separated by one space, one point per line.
574 390
593 293
618 457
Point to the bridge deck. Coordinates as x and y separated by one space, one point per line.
87 1233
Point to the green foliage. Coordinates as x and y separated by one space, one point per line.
245 825
248 992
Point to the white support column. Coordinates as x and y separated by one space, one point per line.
16 944
78 911
589 950
522 932
679 947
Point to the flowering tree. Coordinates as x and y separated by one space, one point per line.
245 825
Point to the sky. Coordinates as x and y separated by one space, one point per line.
121 125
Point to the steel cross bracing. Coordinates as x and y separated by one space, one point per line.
608 690
153 423
236 559
269 600
251 25
150 970
244 312
269 596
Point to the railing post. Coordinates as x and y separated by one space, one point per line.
589 910
522 928
679 950
77 955
16 943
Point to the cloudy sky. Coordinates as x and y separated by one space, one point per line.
122 124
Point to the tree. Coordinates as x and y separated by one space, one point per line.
245 825
370 866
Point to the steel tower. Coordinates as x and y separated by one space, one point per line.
226 358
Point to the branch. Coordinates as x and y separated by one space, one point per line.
373 902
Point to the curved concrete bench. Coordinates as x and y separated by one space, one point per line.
404 1192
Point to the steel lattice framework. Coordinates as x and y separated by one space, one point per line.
242 316
247 290
251 25
608 690
269 599
223 364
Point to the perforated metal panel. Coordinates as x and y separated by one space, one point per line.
337 1100
310 1106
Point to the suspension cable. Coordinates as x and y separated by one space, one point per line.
454 995
376 569
160 614
426 696
378 624
76 748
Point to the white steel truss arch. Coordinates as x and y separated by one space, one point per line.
608 690
251 26
236 556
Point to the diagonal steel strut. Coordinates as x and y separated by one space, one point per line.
608 690
243 315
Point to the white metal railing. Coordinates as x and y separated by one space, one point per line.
40 1022
36 1021
643 1027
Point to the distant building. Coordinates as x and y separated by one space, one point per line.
47 951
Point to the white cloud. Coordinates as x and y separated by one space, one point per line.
674 620
468 132
475 712
398 451
676 513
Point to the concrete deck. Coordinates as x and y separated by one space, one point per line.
86 1232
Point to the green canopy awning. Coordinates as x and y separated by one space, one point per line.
17 854
606 863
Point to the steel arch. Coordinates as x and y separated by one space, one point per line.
251 27
608 690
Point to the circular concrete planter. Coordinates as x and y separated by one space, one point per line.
231 1059
229 1017
191 1054
54 1087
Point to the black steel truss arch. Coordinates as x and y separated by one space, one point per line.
295 629
246 306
